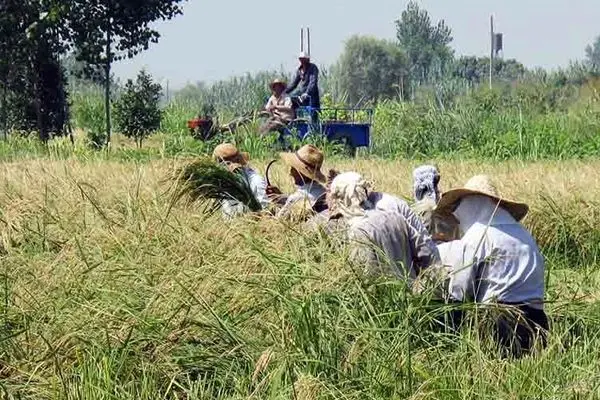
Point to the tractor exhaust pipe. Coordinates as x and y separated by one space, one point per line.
302 48
308 41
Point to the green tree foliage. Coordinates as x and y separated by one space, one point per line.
33 86
137 111
425 44
476 69
371 68
103 31
592 56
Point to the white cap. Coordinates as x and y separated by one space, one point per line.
304 54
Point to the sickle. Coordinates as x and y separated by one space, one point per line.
267 172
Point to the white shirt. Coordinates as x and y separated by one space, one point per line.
309 193
497 259
233 208
389 203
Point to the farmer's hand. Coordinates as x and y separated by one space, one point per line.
273 191
303 97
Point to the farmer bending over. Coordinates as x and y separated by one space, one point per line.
279 107
497 261
383 241
305 170
442 225
236 161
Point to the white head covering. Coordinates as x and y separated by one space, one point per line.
483 210
425 183
349 195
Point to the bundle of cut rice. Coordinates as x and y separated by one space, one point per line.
207 182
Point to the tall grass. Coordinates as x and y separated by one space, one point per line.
108 291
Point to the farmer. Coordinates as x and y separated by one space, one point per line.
389 203
307 77
305 170
442 225
497 261
235 161
280 108
383 241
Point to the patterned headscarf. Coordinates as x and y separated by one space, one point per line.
425 183
349 194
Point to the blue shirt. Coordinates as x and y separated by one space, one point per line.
309 84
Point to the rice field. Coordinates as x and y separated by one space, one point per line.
108 290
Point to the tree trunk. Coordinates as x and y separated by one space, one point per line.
4 109
107 82
38 88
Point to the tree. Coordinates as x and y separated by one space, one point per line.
103 31
371 68
592 56
33 84
425 44
137 111
476 69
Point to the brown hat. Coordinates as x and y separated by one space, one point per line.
308 160
482 185
228 154
278 82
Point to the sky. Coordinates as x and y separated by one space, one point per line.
217 39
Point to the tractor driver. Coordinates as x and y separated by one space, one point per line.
307 76
279 107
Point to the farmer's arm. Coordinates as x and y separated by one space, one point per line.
313 80
463 263
270 104
259 187
287 106
292 86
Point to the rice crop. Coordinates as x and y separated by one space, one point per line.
108 290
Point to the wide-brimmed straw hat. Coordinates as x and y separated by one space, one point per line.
228 154
308 161
276 82
482 185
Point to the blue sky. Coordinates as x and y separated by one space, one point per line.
218 39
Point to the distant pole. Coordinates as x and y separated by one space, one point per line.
491 47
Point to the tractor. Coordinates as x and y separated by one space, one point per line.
350 127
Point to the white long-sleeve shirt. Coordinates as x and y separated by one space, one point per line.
497 259
233 208
309 193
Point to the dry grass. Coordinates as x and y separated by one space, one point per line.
107 291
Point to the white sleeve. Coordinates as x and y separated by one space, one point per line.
287 102
269 102
463 265
259 187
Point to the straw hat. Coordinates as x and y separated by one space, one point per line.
229 154
483 186
303 56
278 82
308 160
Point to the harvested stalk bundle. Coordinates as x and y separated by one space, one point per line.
205 181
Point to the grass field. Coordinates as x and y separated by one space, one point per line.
108 291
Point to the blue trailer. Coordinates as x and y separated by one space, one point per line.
350 127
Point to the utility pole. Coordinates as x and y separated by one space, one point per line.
491 47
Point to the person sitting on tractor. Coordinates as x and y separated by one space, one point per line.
307 76
280 108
